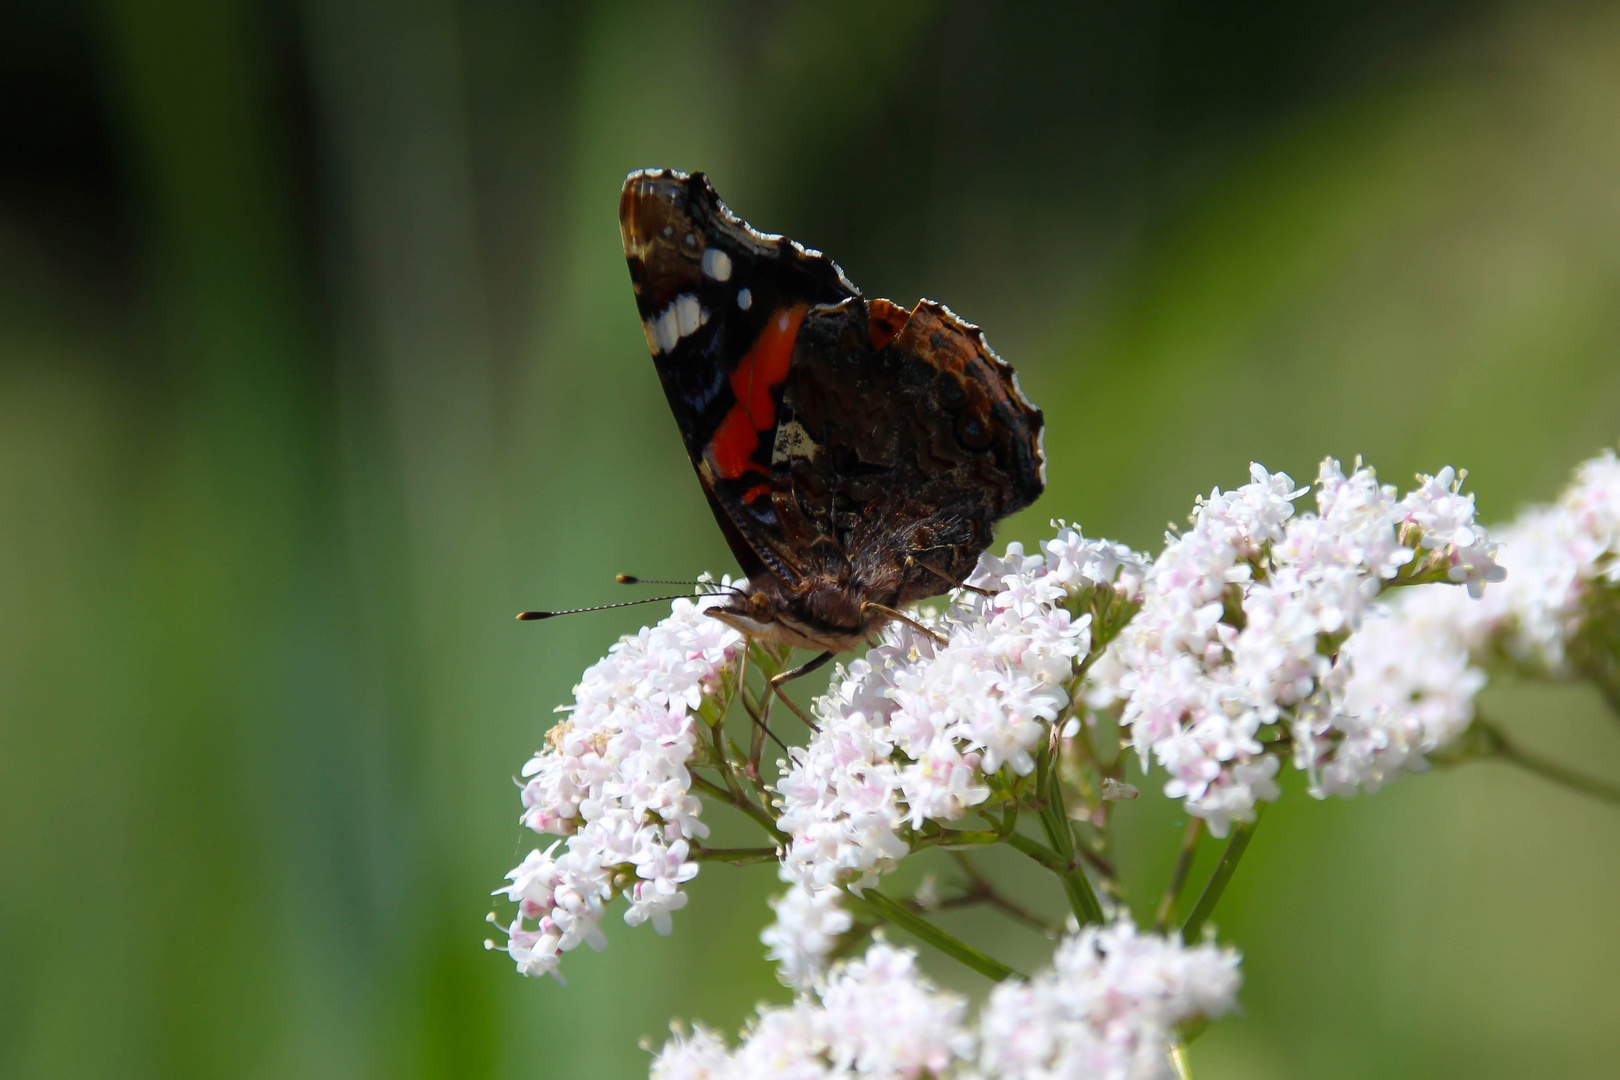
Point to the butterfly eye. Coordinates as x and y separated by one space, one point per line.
759 607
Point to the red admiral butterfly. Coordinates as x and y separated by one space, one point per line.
856 455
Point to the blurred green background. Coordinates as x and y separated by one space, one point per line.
318 361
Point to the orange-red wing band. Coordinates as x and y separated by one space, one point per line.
761 370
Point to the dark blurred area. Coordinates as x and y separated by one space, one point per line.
318 361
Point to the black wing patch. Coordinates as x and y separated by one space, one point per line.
720 304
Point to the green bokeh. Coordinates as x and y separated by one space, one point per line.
339 368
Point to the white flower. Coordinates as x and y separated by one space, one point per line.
1401 689
1404 685
1240 618
884 1018
1554 556
1107 1009
909 733
613 782
1593 505
1446 517
702 1055
1073 561
808 923
873 1017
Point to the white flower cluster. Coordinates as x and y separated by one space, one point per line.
1554 556
910 732
875 1017
1405 684
1400 689
1107 1009
1241 614
613 781
808 923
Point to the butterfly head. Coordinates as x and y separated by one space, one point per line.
821 614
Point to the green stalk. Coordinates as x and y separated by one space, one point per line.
1178 1059
1178 877
1235 848
920 928
1082 900
953 839
740 856
747 806
1054 818
1508 750
1055 823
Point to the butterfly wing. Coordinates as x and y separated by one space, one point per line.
902 440
721 305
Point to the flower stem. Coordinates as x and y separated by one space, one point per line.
1603 668
953 839
1055 823
736 856
1235 848
1499 745
1081 898
981 889
920 928
747 806
1595 649
1178 877
1100 862
717 735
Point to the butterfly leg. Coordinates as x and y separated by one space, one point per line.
762 722
788 676
912 560
900 616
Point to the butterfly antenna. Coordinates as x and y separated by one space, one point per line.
631 579
531 616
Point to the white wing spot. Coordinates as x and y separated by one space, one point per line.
717 264
686 313
745 299
666 330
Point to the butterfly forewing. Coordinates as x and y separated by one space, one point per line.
720 304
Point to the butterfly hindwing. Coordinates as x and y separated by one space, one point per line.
903 439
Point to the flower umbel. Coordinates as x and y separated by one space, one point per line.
613 782
1244 614
915 732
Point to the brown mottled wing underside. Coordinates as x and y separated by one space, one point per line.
901 441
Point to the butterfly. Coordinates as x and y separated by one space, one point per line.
856 455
